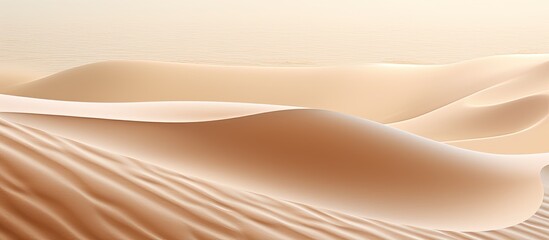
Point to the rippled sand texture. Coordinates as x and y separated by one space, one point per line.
330 160
53 188
261 153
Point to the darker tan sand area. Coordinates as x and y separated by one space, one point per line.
152 150
54 188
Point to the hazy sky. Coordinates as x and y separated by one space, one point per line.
57 34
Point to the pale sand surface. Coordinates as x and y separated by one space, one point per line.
53 188
531 140
510 117
10 76
379 92
496 104
167 111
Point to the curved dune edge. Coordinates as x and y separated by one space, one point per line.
181 111
509 97
530 140
465 121
10 78
281 153
531 83
106 196
355 90
509 117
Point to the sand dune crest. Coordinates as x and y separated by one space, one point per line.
345 163
41 172
406 91
167 111
509 117
465 121
83 188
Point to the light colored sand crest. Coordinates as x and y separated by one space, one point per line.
328 160
464 121
532 140
511 117
182 111
52 188
533 82
381 92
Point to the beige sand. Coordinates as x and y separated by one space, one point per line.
319 158
344 163
510 117
11 76
53 188
531 140
379 92
181 111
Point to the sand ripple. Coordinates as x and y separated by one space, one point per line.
53 188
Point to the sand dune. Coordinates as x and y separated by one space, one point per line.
53 188
10 77
510 117
76 177
181 111
345 163
464 121
380 92
530 140
532 83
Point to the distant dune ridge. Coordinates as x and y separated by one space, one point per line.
13 77
68 142
167 111
510 117
379 92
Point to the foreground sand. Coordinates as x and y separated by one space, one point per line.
322 159
53 188
344 163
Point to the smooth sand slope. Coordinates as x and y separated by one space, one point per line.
379 92
510 117
532 140
53 188
181 111
10 77
330 160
